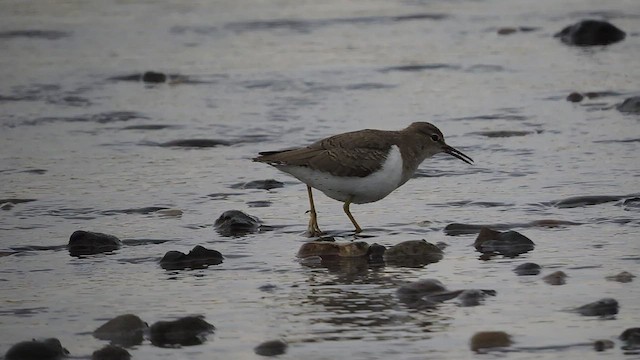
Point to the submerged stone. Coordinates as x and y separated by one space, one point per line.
413 253
198 257
575 97
579 201
623 277
236 223
527 269
154 77
111 352
267 184
126 330
331 250
186 331
47 349
426 293
631 337
630 105
489 339
509 243
591 33
87 243
195 143
556 278
602 345
271 348
602 307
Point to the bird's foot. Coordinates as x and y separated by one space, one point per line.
314 230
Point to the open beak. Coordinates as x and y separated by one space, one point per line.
456 153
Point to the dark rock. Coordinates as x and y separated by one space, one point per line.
632 203
512 30
236 223
199 257
472 297
556 278
602 345
375 253
154 77
575 97
623 277
87 243
111 352
271 348
267 184
47 349
413 253
590 33
631 337
489 339
602 307
126 330
34 34
630 105
333 250
186 331
580 201
427 293
195 143
509 243
527 269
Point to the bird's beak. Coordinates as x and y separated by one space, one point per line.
456 153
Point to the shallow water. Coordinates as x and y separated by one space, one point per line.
85 146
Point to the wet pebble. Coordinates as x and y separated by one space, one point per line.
88 242
556 278
575 97
623 277
602 345
199 257
511 30
47 349
630 105
428 292
236 223
330 250
266 184
271 348
489 339
631 337
413 253
111 352
126 330
186 331
602 307
527 269
154 77
591 33
508 243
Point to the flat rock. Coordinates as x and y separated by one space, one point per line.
47 349
236 223
126 330
527 269
556 278
631 337
489 339
195 143
186 331
111 352
413 253
266 184
590 33
331 250
88 242
508 243
271 348
602 307
199 257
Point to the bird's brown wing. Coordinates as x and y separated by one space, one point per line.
357 153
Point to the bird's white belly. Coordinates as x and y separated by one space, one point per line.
360 189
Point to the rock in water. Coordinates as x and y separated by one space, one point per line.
630 105
199 257
489 339
190 330
527 269
590 33
126 330
556 278
236 223
602 307
111 352
413 253
508 243
87 243
271 348
332 250
47 349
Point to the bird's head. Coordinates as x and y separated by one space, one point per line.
432 141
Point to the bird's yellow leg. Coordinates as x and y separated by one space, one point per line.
353 221
313 229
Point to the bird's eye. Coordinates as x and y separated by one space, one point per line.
435 137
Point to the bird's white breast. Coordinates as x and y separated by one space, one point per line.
360 189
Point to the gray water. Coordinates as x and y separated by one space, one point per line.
272 75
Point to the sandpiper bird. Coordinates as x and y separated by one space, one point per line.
360 166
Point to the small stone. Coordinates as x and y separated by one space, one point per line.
623 277
47 349
508 243
111 352
154 77
170 212
602 307
331 250
630 105
236 223
271 348
88 243
126 330
575 97
602 345
631 337
527 269
507 31
556 278
413 253
186 331
590 33
199 257
489 339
